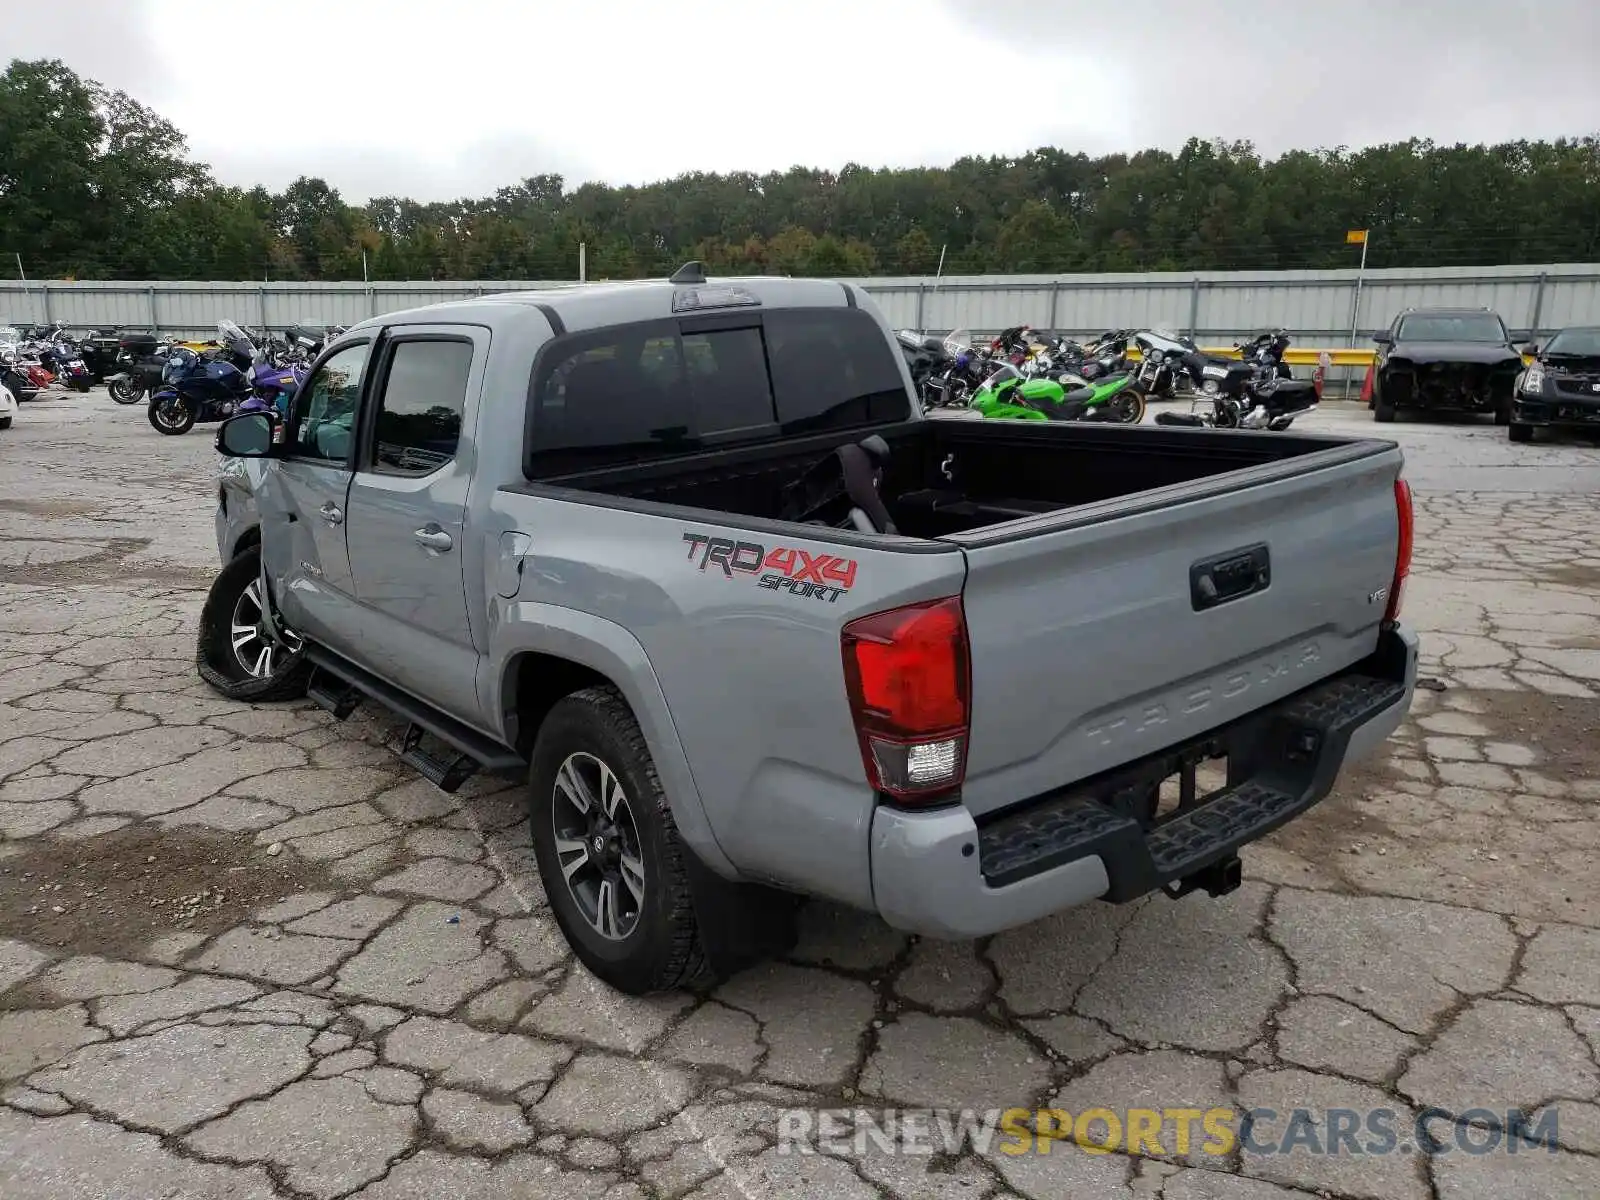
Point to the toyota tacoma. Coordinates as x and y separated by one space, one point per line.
687 558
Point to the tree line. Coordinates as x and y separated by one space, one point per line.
95 185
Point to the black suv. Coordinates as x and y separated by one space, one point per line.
1445 360
1561 390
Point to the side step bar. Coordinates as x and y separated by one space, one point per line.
339 685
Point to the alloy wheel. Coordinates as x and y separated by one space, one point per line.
254 649
597 845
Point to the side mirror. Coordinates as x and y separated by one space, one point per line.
1531 349
249 435
1383 339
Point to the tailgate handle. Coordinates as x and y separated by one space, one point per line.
1215 581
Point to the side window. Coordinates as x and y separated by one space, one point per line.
418 423
832 368
615 396
325 408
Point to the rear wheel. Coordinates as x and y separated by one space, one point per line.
1128 406
1502 414
1382 410
125 391
1520 433
609 854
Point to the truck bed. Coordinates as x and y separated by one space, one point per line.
998 472
1125 589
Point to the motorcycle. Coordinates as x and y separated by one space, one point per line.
1007 394
61 358
98 348
963 370
141 358
1256 391
14 379
273 382
203 387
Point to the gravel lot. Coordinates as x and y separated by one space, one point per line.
244 953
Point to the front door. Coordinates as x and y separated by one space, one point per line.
305 555
406 518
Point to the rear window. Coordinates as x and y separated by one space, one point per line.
653 390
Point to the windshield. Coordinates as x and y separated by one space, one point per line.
1000 374
230 335
1572 343
10 333
1457 327
958 340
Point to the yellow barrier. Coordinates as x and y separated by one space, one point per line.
1299 356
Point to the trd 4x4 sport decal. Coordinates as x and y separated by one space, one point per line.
782 568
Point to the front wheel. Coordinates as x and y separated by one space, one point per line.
234 653
609 854
171 417
80 385
1502 414
1520 433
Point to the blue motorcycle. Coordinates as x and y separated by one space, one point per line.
200 388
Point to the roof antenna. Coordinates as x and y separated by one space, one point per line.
690 272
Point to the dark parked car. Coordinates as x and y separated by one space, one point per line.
1561 390
1445 360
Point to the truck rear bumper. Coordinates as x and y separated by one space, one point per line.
941 874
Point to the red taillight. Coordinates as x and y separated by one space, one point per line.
908 675
1402 557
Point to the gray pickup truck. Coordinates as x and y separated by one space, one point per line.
687 556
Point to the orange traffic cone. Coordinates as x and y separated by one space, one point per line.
1366 384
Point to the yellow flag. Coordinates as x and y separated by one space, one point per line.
1356 237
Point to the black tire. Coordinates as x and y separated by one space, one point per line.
219 664
1382 411
170 428
125 392
1520 433
5 422
1129 406
1502 415
662 949
81 385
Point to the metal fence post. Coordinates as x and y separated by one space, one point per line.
1055 298
372 301
44 288
261 304
155 315
1194 306
922 316
1538 308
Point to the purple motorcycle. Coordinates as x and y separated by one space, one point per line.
271 386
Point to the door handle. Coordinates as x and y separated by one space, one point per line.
332 513
433 538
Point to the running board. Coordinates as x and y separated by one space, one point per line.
327 691
445 774
343 684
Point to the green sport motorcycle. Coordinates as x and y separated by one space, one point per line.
1005 394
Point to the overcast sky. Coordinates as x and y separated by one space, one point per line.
439 100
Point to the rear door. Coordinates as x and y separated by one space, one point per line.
303 500
1096 640
406 516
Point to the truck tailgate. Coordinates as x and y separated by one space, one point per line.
1109 632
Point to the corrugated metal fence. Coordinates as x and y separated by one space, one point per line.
1318 307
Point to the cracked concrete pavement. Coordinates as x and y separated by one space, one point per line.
245 953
